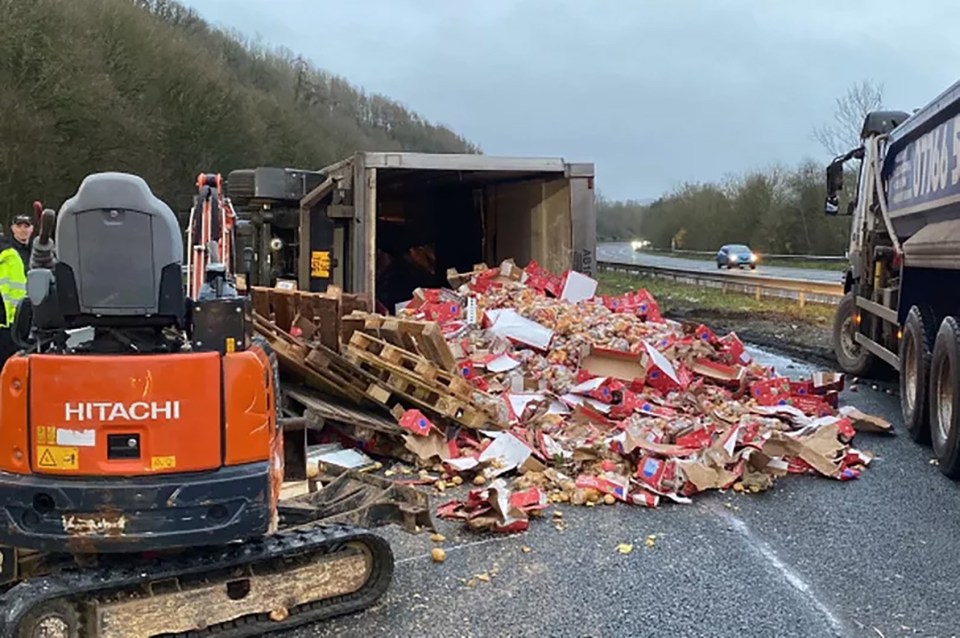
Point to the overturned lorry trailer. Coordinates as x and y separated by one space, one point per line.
901 307
408 217
387 223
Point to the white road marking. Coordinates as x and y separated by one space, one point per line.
767 552
485 541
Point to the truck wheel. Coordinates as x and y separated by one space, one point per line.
916 346
852 358
945 397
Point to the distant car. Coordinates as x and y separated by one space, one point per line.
639 244
736 255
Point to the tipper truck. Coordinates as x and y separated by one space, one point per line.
900 306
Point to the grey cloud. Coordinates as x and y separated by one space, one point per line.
655 93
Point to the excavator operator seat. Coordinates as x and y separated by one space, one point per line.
119 253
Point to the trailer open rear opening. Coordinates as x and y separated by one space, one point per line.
386 223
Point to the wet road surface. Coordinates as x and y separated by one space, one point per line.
623 253
872 557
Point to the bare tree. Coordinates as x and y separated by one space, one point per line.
843 133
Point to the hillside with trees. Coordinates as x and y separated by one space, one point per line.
777 210
147 86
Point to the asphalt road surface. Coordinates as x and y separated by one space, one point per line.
878 556
623 253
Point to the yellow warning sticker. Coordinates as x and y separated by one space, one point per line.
163 462
231 344
52 457
46 434
320 263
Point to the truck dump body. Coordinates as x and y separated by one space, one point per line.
413 216
921 170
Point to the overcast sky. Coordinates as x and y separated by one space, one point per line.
655 93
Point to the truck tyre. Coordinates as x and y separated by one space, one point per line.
945 397
851 357
916 348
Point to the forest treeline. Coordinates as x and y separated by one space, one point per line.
774 211
147 86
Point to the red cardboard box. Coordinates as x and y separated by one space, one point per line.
414 421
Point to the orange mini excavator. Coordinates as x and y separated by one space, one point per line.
141 452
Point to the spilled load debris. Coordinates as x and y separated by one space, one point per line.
535 390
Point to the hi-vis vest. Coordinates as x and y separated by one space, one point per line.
13 283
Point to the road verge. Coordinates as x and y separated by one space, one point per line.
776 324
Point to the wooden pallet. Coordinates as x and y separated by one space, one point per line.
347 377
323 311
423 392
337 412
460 394
413 362
295 356
419 337
367 384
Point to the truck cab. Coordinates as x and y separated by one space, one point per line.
869 247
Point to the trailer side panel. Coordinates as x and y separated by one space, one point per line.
583 212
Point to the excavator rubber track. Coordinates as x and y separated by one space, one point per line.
289 579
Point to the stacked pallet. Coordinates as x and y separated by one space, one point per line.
314 364
309 314
303 330
418 382
332 343
423 338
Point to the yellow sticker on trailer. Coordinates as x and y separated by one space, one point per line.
163 462
320 263
51 457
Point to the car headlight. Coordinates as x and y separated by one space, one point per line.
733 257
636 245
753 257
